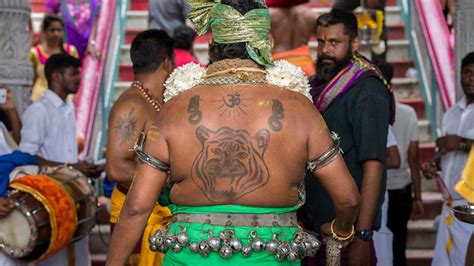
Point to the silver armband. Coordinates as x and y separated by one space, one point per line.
139 149
328 156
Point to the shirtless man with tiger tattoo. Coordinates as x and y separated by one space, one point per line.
235 147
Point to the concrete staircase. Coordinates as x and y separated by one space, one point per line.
421 235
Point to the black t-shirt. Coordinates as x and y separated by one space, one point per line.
360 117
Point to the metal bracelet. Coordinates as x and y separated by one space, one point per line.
143 157
328 156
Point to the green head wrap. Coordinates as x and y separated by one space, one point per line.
229 26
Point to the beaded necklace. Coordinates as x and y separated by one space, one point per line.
146 94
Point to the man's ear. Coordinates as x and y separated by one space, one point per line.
169 64
56 76
355 44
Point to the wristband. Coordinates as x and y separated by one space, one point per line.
340 238
365 235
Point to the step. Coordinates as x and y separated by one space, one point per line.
419 257
397 51
143 4
421 234
37 5
405 88
400 67
138 19
432 204
395 32
417 104
139 5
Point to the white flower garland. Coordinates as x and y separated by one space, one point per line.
182 79
284 74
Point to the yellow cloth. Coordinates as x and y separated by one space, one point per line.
40 82
465 187
300 56
159 217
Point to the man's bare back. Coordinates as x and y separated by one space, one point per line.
239 144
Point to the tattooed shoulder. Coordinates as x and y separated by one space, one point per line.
274 122
126 126
194 111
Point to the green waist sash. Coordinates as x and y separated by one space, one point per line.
197 232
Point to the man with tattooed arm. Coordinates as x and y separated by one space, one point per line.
153 60
235 140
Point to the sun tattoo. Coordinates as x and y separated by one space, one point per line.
233 105
126 127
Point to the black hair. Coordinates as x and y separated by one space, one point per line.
386 68
336 16
58 63
49 19
219 51
467 60
184 37
150 49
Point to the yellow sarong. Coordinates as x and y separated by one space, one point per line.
159 217
465 187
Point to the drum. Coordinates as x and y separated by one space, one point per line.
51 209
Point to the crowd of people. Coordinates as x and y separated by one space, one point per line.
249 160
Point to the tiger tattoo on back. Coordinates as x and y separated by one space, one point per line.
230 164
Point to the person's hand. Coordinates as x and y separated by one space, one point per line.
5 208
359 252
88 169
430 170
93 51
448 143
10 104
417 209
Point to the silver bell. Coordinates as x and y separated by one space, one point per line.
162 248
294 246
194 247
293 256
214 243
283 249
235 244
258 244
225 251
271 246
203 246
170 240
280 256
223 236
314 242
153 240
177 248
160 240
246 251
182 238
298 237
306 249
153 247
